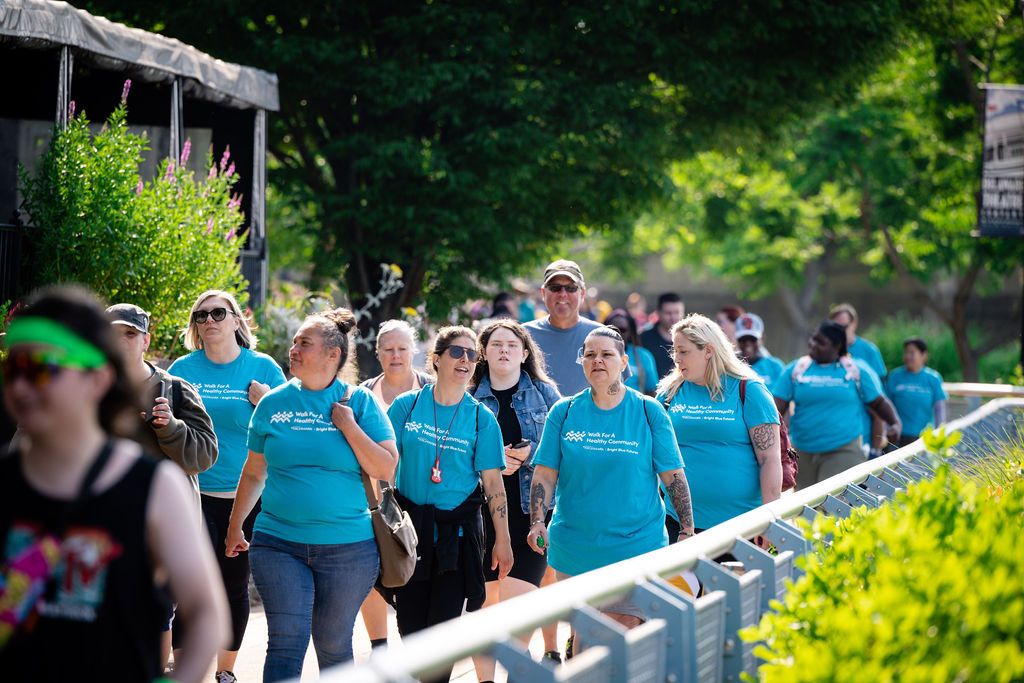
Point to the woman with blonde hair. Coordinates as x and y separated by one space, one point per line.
396 348
231 377
725 422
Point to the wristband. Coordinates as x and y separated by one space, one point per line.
536 521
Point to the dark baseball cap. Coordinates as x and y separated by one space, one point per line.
564 267
129 314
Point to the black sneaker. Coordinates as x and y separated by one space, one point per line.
225 677
554 655
568 648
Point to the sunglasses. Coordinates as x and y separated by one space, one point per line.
558 289
218 314
457 352
37 368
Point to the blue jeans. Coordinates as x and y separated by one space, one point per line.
310 589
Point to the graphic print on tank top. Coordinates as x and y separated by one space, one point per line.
80 576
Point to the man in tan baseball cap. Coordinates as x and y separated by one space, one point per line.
561 333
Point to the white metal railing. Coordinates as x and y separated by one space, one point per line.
699 642
982 390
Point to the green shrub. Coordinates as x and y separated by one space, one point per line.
999 365
890 334
929 588
157 244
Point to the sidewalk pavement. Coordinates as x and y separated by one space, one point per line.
249 667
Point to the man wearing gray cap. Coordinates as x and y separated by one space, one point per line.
561 333
175 423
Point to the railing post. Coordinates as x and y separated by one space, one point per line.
740 592
661 600
65 71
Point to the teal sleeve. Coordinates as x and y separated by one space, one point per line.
370 416
549 452
398 414
665 451
490 451
870 385
650 369
783 387
274 375
878 363
758 406
256 439
938 391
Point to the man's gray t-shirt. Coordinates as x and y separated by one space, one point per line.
561 350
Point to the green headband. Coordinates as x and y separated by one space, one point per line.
74 352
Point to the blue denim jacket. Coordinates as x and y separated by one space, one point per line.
532 401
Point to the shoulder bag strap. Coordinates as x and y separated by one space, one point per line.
371 497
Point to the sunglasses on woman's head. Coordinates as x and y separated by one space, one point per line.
218 314
457 352
558 289
37 367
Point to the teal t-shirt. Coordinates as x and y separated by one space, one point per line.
314 490
607 506
714 439
768 368
828 407
864 350
639 357
224 388
914 394
473 444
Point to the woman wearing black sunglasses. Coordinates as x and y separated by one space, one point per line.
92 533
447 444
231 377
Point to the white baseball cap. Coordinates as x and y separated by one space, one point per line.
749 325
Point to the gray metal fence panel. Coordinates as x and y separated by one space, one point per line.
685 640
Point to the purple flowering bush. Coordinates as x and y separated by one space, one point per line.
157 244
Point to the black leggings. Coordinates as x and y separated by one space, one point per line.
233 570
420 604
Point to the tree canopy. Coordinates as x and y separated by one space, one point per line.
461 140
889 178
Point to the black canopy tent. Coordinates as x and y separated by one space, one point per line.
52 53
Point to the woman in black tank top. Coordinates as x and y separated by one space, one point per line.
93 535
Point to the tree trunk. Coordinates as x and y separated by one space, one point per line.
798 305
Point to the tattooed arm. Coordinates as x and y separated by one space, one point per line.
679 496
541 496
497 504
768 450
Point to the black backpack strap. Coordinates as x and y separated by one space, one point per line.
176 396
567 409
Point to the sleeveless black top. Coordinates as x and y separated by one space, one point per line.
102 616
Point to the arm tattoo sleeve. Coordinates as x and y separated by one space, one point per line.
498 505
679 494
538 502
763 437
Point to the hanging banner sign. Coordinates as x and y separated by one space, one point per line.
1002 171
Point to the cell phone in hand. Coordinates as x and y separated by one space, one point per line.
163 392
523 443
